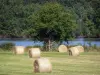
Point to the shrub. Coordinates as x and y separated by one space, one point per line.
7 46
36 46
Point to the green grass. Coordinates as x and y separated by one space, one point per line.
86 64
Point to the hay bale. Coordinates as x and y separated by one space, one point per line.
80 48
42 65
62 48
34 52
18 49
73 51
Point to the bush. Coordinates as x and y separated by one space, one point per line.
7 46
36 46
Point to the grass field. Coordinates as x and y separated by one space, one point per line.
86 64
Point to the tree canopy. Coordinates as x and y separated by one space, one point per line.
15 16
53 21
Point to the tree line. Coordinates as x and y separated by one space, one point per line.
53 19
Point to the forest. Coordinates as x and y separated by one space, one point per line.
53 19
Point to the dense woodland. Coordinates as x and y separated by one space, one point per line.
53 19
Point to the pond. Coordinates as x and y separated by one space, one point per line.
77 41
84 41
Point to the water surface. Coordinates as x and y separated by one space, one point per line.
77 41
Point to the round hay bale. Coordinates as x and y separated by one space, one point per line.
19 49
73 51
80 48
42 65
62 48
34 52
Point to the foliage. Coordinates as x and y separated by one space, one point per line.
35 46
53 21
89 28
7 46
14 18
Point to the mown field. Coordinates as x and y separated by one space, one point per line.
87 63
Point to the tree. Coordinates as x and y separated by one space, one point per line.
53 22
95 4
89 28
13 17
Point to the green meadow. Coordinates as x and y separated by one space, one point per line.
87 63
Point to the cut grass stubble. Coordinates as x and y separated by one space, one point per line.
62 64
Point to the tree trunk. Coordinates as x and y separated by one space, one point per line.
49 44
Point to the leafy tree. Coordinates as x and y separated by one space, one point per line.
89 28
14 18
95 4
53 22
